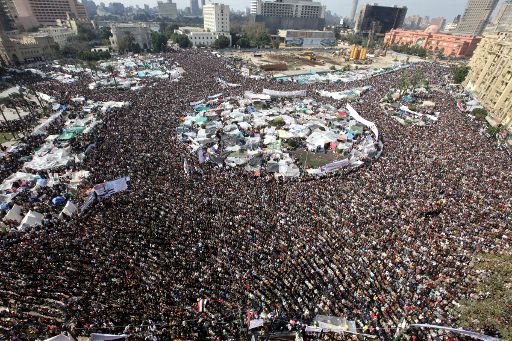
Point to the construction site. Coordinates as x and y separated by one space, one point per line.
294 61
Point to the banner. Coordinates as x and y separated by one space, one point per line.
88 202
474 335
256 97
105 337
255 323
109 188
274 93
363 121
334 165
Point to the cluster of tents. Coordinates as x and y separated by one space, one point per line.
263 132
409 108
50 174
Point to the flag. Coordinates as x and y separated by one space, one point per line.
201 305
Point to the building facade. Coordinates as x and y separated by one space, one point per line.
451 45
167 9
503 19
476 17
490 77
200 37
25 49
382 19
140 32
289 14
60 35
216 18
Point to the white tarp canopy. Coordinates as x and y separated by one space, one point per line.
320 139
18 176
48 157
363 121
32 218
14 214
61 337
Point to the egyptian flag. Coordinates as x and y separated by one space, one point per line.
201 305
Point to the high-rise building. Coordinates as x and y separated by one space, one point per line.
194 8
7 20
203 2
167 9
476 17
34 13
439 22
503 19
490 77
116 8
216 18
380 19
354 10
289 14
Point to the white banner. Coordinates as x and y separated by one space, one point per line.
334 165
104 337
255 323
363 121
274 93
256 97
111 187
458 331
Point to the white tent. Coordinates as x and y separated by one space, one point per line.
70 209
32 218
14 214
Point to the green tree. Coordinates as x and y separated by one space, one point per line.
159 41
460 73
479 113
111 69
182 40
405 83
417 78
243 42
490 309
221 42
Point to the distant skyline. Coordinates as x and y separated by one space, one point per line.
433 8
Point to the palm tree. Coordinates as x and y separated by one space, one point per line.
110 68
8 123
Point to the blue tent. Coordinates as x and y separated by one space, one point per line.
59 200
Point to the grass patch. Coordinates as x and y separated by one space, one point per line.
4 137
316 160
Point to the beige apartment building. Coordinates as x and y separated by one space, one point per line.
490 77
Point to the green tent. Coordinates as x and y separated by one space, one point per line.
201 119
70 133
201 108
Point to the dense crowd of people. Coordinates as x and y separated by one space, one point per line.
388 242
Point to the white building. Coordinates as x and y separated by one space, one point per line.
59 34
216 18
167 9
140 32
199 37
288 8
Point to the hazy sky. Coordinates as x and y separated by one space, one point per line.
433 8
